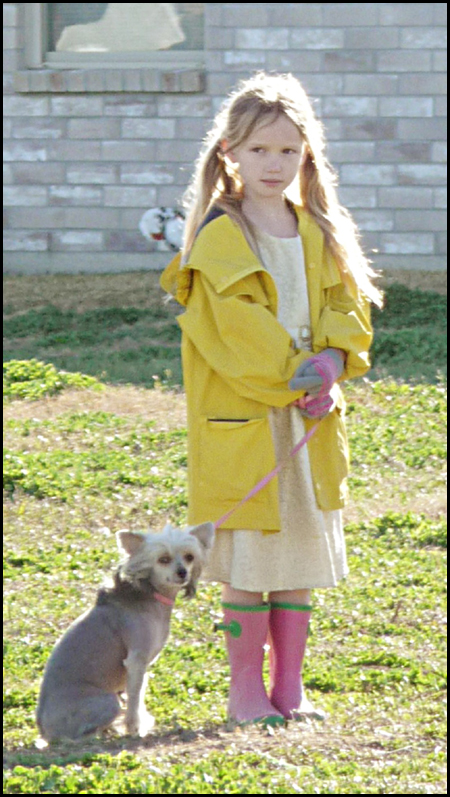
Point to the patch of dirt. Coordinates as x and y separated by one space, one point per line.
435 281
81 292
140 289
166 408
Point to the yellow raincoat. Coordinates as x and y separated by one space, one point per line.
238 360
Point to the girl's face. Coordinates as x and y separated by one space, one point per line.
269 160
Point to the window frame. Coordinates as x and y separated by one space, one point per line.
177 71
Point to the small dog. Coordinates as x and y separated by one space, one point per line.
163 227
106 651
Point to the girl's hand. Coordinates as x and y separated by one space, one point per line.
315 406
319 373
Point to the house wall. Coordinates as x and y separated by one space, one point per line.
86 154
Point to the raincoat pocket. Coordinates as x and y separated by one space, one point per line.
234 456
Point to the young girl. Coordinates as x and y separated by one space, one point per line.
277 312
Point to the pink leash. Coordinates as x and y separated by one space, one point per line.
269 477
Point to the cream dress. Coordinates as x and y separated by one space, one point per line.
309 551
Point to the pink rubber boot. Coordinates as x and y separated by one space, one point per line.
247 628
288 632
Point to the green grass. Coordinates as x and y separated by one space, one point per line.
376 658
136 343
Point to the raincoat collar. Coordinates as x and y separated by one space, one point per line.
224 251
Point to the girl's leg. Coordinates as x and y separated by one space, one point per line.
290 613
299 596
246 623
240 596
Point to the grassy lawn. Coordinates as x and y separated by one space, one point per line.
102 446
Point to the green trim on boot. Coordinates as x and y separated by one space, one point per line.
299 607
265 607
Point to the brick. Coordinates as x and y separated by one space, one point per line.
317 39
75 81
146 175
76 106
410 243
367 174
423 220
262 38
406 13
349 61
422 129
38 128
350 106
132 80
23 241
75 195
407 61
76 241
401 197
148 128
300 61
223 38
422 174
242 15
358 197
193 81
93 174
93 128
371 85
183 152
372 38
348 14
369 129
183 106
406 107
38 173
374 220
424 38
242 58
351 152
10 14
73 150
128 151
439 152
423 84
440 61
296 14
122 241
441 243
24 196
440 198
25 106
127 197
395 151
135 105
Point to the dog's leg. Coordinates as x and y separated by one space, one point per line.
138 720
73 714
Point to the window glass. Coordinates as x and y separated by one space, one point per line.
124 27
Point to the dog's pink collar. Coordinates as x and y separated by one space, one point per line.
163 599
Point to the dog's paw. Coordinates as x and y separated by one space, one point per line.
146 724
141 725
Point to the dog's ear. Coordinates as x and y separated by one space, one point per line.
204 534
129 541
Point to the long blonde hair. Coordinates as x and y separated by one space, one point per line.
260 100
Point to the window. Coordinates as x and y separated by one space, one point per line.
136 36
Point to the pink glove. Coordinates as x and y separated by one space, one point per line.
317 375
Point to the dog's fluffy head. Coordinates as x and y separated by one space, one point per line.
167 561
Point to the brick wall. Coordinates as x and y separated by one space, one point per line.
87 154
